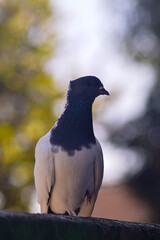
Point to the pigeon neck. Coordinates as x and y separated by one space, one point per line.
74 128
79 114
78 117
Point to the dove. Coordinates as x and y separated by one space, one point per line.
68 159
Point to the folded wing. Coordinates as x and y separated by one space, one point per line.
87 207
44 172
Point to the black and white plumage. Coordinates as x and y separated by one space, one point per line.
69 161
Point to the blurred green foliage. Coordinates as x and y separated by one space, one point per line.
27 95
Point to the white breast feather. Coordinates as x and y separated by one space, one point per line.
70 176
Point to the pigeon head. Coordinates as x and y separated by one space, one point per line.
85 88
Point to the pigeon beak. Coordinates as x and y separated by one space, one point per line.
103 91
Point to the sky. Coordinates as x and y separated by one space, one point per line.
89 41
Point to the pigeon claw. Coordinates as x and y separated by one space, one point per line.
71 212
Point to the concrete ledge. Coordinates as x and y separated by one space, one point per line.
25 226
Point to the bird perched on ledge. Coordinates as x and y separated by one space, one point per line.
69 161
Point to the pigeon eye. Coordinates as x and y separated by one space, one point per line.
100 88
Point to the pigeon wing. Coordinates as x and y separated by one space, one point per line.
86 209
44 172
98 168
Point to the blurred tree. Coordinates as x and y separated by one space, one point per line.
27 94
143 135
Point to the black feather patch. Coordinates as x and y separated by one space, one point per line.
74 128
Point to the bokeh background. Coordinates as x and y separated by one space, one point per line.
46 43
